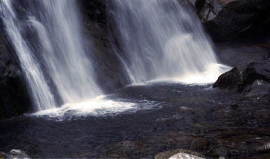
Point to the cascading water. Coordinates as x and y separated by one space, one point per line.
59 42
42 95
163 39
58 28
55 42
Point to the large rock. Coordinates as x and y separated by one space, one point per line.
241 18
254 81
229 80
179 154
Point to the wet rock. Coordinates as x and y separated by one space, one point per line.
229 80
98 22
257 71
207 9
253 81
259 89
179 154
240 19
14 154
14 97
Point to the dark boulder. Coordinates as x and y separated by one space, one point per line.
229 80
257 71
253 81
240 19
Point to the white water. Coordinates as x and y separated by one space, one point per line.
185 156
95 107
59 44
62 48
42 96
162 39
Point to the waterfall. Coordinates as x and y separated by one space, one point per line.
54 50
42 95
59 32
163 39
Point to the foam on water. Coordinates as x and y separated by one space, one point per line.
207 76
93 107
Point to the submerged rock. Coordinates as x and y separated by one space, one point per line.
14 154
229 80
179 154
